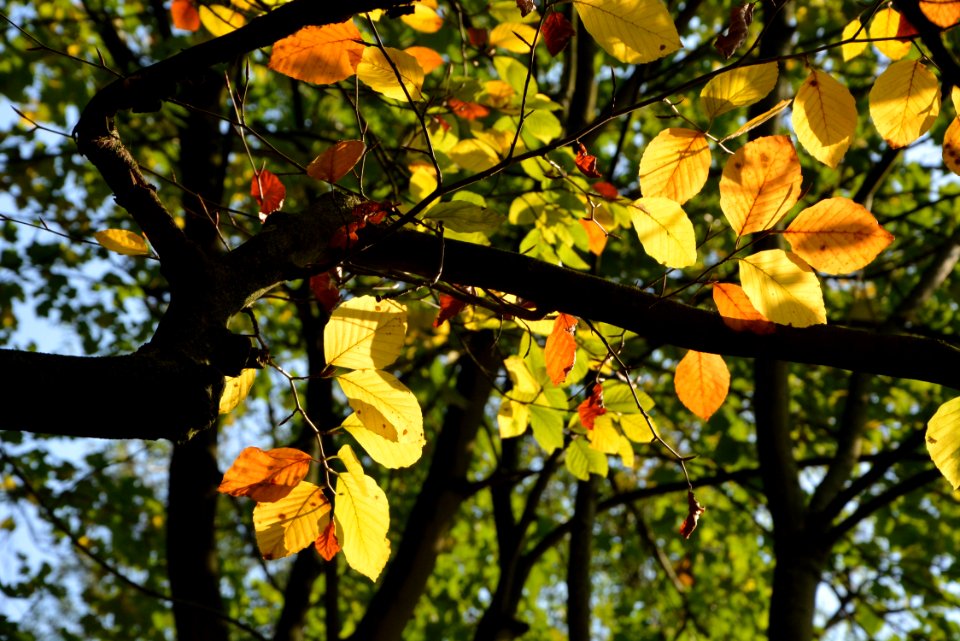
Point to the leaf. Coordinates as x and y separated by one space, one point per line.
450 306
375 71
465 217
325 290
383 404
675 164
265 476
513 418
592 407
943 441
428 58
756 121
760 184
943 13
951 146
390 454
741 16
424 18
268 191
524 387
596 236
515 37
586 163
557 32
886 24
474 155
581 460
738 87
837 236
738 312
694 510
364 333
122 241
665 231
337 161
854 29
824 117
783 288
184 15
292 523
321 55
363 518
326 544
604 437
561 349
467 110
526 6
235 389
632 31
220 20
702 382
547 414
904 102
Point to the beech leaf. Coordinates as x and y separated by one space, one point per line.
321 55
738 312
760 184
783 288
943 441
592 407
365 333
904 102
326 544
837 236
824 117
561 349
741 16
557 32
632 31
337 161
675 164
738 87
122 241
702 382
268 191
265 476
184 15
694 510
290 524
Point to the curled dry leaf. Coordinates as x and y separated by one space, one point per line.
586 163
740 18
265 476
526 6
694 510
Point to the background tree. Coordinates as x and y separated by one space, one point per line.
589 179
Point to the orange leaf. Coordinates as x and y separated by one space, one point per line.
322 55
951 146
557 32
268 191
265 476
943 13
738 312
337 161
467 110
694 510
561 350
596 236
702 382
427 57
593 407
450 306
837 236
586 163
185 15
327 544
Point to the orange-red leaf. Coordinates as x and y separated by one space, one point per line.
557 32
694 510
702 382
185 15
837 236
478 36
325 289
593 407
327 544
428 58
450 306
337 161
596 236
322 55
586 163
561 349
738 312
606 190
265 476
467 110
268 191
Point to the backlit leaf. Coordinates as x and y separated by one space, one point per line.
362 516
268 191
824 117
322 55
943 441
737 311
561 349
391 454
375 71
122 241
665 231
783 288
235 389
512 418
694 510
632 31
738 87
424 18
675 164
760 183
524 386
837 236
463 216
450 306
184 15
337 161
265 476
364 333
758 120
474 155
702 382
287 526
943 13
428 58
325 289
515 37
886 24
592 407
586 163
220 20
596 237
951 146
604 437
853 31
904 102
326 544
582 460
383 404
557 32
467 110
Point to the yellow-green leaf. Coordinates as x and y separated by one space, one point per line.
383 404
235 389
123 242
391 454
886 24
362 517
837 236
364 333
943 441
675 164
582 460
758 120
824 117
783 288
515 37
287 526
604 437
632 31
512 418
738 88
853 31
904 102
220 20
376 72
664 231
474 155
525 387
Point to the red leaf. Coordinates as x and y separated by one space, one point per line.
324 288
327 544
593 407
905 30
478 36
369 211
526 6
557 32
606 190
265 476
561 350
268 191
740 18
450 306
467 110
586 163
694 510
185 15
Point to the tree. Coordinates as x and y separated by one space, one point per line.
551 176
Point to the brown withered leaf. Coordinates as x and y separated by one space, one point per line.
526 6
740 18
694 510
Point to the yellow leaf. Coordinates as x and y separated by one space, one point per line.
322 55
362 516
756 121
512 418
364 333
383 404
675 164
220 20
123 242
515 37
287 526
424 17
783 288
853 30
943 441
886 24
837 236
375 71
604 437
702 382
474 155
943 13
391 454
738 88
428 58
760 183
632 31
524 387
582 460
235 389
951 146
664 231
352 463
955 98
904 102
824 117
